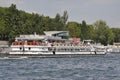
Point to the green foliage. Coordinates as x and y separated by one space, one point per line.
14 22
103 33
74 29
116 32
64 17
87 31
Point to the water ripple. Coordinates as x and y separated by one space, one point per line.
106 67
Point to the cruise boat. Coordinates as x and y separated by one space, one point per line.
54 43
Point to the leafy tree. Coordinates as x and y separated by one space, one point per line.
103 33
84 30
14 22
64 17
90 32
74 29
116 32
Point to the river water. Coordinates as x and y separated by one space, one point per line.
99 67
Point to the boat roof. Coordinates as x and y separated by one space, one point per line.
48 33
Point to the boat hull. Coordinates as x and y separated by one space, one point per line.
44 51
45 55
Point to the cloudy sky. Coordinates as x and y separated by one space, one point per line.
78 10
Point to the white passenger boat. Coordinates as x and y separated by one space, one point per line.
33 48
51 46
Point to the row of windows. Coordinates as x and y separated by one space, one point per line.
68 49
29 48
61 49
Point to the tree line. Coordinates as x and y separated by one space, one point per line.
14 22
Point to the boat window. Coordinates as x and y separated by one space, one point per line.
50 49
29 48
20 48
64 49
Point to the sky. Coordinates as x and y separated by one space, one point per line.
78 10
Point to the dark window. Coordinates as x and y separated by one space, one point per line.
29 48
20 48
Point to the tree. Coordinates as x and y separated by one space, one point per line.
90 32
116 32
64 18
14 22
103 33
74 29
84 29
57 21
